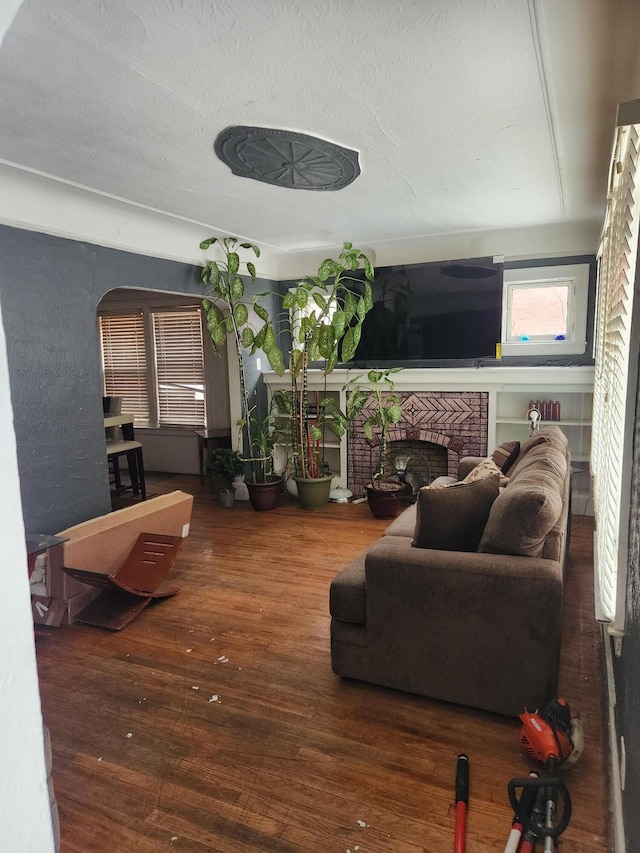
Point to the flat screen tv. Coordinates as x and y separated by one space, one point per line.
433 311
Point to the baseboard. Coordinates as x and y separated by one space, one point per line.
617 820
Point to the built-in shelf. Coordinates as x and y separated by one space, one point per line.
509 390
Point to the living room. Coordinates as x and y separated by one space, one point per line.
64 246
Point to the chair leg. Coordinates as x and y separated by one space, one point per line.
132 461
116 473
140 464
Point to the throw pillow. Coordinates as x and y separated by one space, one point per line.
506 454
486 468
453 519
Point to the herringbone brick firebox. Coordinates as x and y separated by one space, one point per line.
438 427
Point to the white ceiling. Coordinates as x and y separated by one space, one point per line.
468 115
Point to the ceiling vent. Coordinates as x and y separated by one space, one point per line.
285 158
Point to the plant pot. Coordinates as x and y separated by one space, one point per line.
384 499
265 496
227 498
313 492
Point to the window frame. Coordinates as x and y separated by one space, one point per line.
577 278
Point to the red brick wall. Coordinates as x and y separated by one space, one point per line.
454 420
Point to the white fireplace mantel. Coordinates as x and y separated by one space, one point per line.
509 391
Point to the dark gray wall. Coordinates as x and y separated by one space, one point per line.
627 667
49 290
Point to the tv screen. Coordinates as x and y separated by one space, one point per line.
445 310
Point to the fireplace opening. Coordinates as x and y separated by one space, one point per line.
417 463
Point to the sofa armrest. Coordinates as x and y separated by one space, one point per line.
477 629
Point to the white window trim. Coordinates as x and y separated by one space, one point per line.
576 340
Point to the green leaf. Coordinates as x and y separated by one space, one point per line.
301 297
297 359
348 344
328 268
240 313
320 301
360 309
338 322
269 339
251 270
276 360
259 338
367 430
206 243
233 262
256 250
326 340
368 268
350 305
236 287
247 337
288 300
332 360
394 413
213 273
261 312
206 304
228 321
368 296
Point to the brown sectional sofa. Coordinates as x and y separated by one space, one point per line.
477 627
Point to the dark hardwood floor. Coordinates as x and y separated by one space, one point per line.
214 723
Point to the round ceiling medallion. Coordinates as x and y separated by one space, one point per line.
285 158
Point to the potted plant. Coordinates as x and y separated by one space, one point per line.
325 314
230 313
383 410
265 487
224 466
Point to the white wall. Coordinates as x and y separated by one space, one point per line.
25 818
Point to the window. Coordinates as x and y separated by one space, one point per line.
124 363
545 310
154 360
615 379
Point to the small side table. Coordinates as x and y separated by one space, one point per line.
211 439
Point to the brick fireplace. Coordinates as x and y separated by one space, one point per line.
437 426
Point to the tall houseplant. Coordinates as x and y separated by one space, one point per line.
326 312
384 411
230 313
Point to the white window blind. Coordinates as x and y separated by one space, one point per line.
179 362
124 363
615 378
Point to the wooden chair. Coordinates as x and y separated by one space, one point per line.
133 451
127 592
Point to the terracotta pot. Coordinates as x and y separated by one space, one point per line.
265 496
385 499
314 491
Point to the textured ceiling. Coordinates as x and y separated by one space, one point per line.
468 115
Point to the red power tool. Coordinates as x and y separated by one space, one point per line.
551 738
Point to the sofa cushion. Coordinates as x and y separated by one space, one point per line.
404 524
548 460
453 519
506 454
545 436
523 514
347 597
